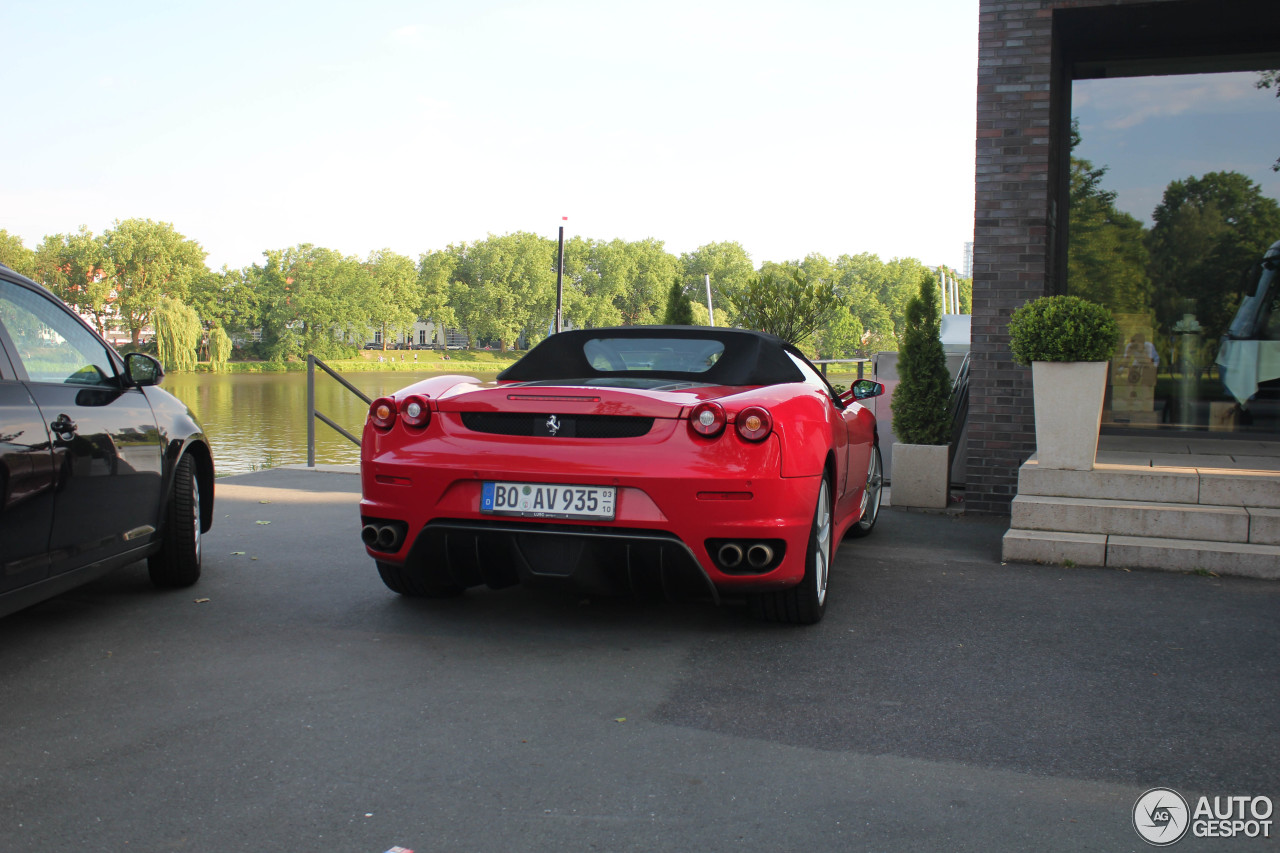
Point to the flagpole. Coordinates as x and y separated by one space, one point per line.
560 280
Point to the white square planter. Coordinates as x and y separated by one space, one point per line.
921 476
1068 401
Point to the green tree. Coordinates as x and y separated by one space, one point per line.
637 275
730 269
435 275
395 296
178 333
591 284
679 308
901 284
1106 254
841 335
219 348
14 255
76 267
228 299
780 302
920 401
966 294
149 260
1209 232
313 300
505 286
862 282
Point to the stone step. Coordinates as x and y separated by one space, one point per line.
1054 547
1140 482
1142 552
1132 518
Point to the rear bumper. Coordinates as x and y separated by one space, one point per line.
672 497
606 562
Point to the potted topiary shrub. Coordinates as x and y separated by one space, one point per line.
1068 342
921 421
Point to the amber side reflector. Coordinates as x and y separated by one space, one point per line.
383 479
724 496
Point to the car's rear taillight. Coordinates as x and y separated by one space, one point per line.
708 419
754 423
382 412
414 411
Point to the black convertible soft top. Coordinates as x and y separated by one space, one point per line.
736 356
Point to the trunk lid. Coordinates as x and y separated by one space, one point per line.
665 399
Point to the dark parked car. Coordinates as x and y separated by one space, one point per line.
98 466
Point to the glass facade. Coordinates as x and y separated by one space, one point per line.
1175 226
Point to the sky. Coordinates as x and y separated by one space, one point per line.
832 127
1148 131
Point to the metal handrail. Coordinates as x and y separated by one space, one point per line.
823 362
312 414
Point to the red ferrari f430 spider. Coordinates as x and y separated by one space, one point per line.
645 459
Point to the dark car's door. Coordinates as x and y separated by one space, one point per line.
107 451
26 481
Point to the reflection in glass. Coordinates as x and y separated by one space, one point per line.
1172 210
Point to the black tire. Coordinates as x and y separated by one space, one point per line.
177 563
871 496
412 584
806 602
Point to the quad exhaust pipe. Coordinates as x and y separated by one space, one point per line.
382 537
759 555
730 555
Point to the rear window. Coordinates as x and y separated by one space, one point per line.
668 355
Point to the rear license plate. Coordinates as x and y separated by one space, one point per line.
546 500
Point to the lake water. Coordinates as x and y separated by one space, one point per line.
259 420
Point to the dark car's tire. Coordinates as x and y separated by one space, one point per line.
412 584
177 563
804 603
874 492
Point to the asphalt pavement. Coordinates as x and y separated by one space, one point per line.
947 702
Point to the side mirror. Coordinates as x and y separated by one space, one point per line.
141 369
863 389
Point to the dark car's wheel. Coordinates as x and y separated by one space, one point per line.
870 495
805 603
412 583
177 563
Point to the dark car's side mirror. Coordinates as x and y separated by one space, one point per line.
863 389
141 369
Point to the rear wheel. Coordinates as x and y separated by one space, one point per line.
805 603
871 495
177 563
413 584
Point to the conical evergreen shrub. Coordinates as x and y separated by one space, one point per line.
920 413
679 308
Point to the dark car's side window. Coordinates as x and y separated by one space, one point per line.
52 346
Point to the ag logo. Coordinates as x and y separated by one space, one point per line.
1161 817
